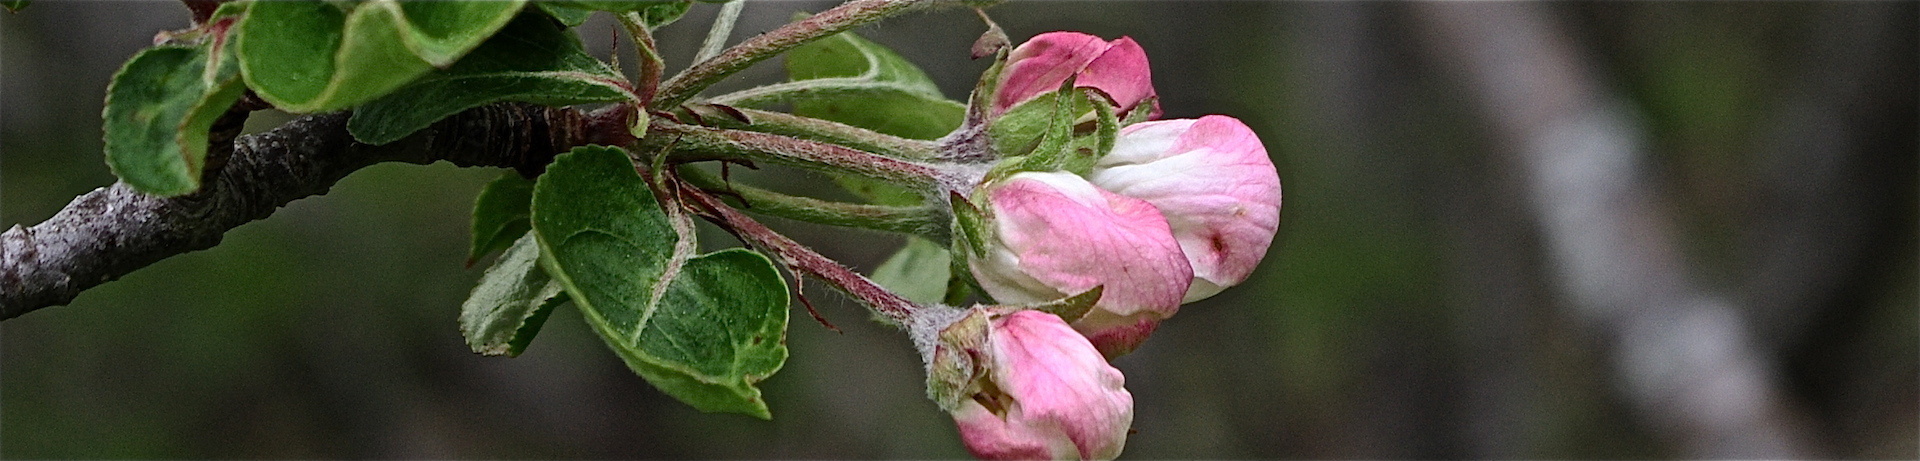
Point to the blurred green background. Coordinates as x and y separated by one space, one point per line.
1407 309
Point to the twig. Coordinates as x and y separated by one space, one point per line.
115 230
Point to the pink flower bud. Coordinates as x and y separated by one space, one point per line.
1212 180
1040 65
1057 235
1044 393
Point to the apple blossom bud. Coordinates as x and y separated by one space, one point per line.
1212 180
1039 66
1053 235
1039 389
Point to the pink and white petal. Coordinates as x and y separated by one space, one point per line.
1062 383
1215 185
1145 142
1072 236
988 436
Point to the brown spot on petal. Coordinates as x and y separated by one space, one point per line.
1217 242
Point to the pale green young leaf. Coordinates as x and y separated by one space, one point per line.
530 60
848 79
500 214
703 329
158 111
851 80
919 271
511 302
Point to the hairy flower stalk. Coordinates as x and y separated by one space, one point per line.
924 221
701 143
814 129
799 257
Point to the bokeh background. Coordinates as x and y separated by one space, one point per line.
1511 230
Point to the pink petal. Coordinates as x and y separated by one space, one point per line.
1042 63
1058 381
1216 186
988 436
1122 73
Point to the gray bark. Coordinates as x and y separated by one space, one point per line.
114 230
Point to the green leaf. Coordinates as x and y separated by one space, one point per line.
653 13
567 15
879 192
316 56
511 302
14 6
869 86
500 214
158 111
919 271
873 88
703 328
443 31
530 60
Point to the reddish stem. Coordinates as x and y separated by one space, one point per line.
798 257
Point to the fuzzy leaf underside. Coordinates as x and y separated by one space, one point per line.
703 329
511 302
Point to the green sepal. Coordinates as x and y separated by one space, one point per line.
1070 308
1139 115
1055 148
500 214
971 238
529 60
1056 142
1085 151
971 223
952 374
703 329
510 303
159 109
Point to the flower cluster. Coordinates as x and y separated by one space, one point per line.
1173 211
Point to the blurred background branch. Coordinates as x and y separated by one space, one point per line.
1687 358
